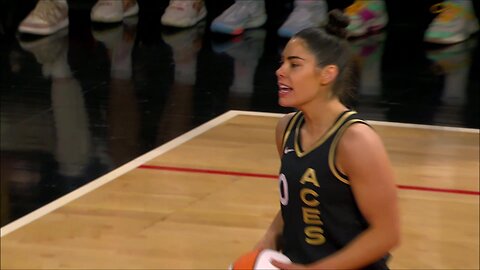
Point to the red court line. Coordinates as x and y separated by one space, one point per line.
271 176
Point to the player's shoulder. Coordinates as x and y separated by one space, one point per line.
283 122
281 129
360 135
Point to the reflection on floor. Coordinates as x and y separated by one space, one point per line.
78 104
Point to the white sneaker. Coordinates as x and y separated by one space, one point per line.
184 13
307 13
185 45
48 17
112 11
244 14
50 52
246 51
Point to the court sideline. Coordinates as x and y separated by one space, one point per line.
207 196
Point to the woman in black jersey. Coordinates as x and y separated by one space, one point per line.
338 197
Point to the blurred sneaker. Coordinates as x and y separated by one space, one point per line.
366 16
48 17
109 36
368 49
243 14
246 51
453 64
50 52
184 13
118 41
112 11
185 45
248 46
455 23
368 53
307 13
452 58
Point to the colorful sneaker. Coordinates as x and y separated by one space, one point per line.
307 13
366 16
450 59
243 14
368 53
455 23
453 63
184 13
48 17
112 11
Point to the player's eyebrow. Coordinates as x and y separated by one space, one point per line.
295 57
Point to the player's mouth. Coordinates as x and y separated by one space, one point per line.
284 89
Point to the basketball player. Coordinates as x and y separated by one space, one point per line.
338 196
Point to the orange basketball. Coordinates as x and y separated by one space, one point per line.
258 259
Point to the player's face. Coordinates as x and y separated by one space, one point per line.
298 76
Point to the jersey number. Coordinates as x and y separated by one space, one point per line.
283 190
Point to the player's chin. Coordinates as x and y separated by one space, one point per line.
285 102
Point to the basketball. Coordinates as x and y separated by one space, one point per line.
258 259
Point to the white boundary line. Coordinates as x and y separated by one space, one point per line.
381 123
5 230
115 174
429 127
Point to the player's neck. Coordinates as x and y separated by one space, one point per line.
321 116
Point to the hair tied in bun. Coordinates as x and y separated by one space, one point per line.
337 23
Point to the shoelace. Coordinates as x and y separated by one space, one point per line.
447 11
47 10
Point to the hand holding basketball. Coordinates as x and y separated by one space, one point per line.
259 259
287 266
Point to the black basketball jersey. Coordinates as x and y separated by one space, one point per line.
318 207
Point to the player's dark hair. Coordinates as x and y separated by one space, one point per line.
330 47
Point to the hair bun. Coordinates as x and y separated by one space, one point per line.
337 23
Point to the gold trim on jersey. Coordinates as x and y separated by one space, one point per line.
333 148
323 138
287 131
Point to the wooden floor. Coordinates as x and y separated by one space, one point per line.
210 198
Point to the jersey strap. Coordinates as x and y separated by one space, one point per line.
338 123
331 154
290 125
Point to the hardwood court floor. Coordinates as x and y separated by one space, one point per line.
203 199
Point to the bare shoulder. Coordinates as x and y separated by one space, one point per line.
360 136
283 122
360 148
280 130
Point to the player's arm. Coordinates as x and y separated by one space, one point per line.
363 158
272 236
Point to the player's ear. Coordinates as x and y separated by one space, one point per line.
328 74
